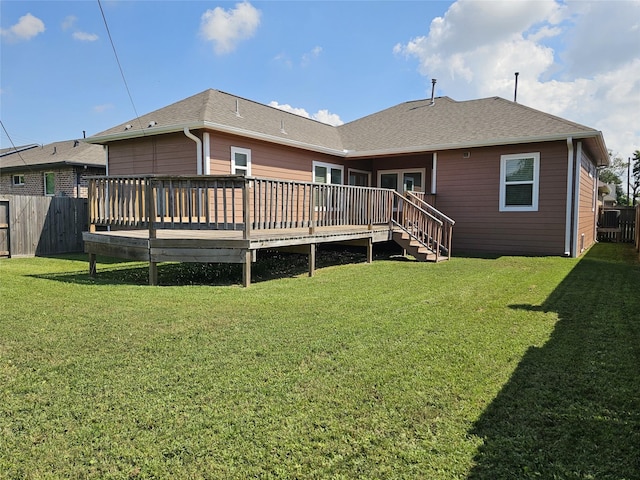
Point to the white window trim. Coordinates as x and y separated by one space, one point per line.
328 166
535 182
21 180
245 151
355 170
401 173
44 182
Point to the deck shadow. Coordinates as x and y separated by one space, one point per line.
270 265
571 409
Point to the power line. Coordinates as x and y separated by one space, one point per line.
14 146
120 66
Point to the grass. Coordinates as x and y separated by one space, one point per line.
476 368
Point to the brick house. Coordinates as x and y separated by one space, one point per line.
55 169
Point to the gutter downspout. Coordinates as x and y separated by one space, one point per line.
576 201
206 147
434 171
106 159
198 149
567 230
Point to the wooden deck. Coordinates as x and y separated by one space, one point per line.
224 246
227 219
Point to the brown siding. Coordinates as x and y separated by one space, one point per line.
172 154
468 192
587 211
267 160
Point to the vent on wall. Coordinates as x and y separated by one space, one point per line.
466 154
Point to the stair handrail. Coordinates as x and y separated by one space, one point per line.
430 232
448 231
430 208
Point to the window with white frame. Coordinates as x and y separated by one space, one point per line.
240 161
327 173
18 180
519 182
49 183
359 178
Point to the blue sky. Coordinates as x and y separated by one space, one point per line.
334 61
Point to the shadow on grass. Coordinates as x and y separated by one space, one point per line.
269 265
572 407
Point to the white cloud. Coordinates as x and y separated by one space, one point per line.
68 22
309 56
27 27
476 47
102 108
323 116
284 59
225 28
85 37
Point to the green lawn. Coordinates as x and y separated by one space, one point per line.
475 368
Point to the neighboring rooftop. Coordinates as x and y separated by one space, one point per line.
414 126
57 154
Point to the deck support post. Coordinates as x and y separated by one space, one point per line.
370 250
92 265
312 259
153 274
246 269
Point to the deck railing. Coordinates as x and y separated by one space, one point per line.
231 203
447 223
418 223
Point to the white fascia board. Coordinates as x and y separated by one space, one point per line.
487 143
212 126
347 154
273 139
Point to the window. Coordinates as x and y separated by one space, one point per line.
49 183
327 173
402 180
18 180
519 178
240 161
359 178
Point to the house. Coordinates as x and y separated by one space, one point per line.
515 180
55 169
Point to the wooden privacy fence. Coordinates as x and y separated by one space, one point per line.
617 224
231 203
637 239
36 225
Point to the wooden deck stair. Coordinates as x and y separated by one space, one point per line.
416 249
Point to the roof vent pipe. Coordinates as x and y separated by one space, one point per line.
237 107
515 92
433 92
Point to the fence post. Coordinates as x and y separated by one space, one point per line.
92 194
151 217
246 214
312 223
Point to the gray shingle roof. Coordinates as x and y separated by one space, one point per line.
408 127
451 124
217 110
68 152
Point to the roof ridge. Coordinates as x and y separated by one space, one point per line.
555 117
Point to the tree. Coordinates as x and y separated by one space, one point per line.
611 175
635 176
